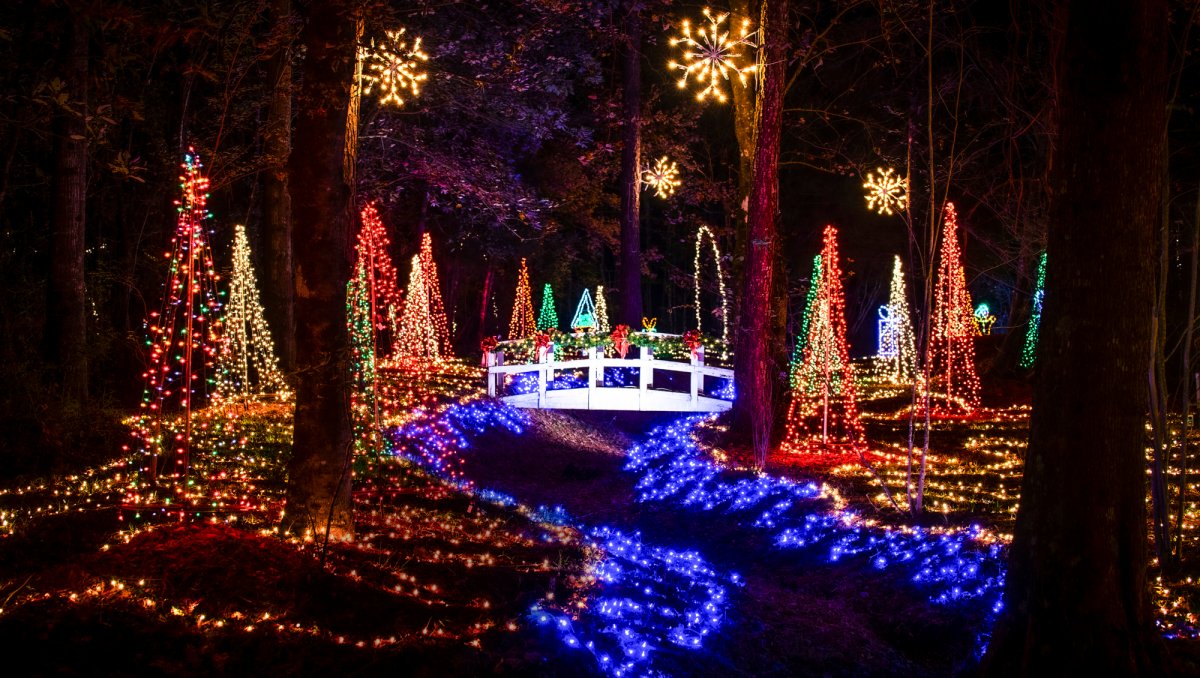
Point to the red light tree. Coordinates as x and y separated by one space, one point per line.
954 389
433 290
523 324
184 337
823 415
376 275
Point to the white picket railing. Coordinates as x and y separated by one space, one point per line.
597 396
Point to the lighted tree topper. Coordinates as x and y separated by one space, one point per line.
886 193
663 177
823 415
393 67
184 337
712 53
547 317
716 252
1029 351
522 325
955 385
247 365
897 343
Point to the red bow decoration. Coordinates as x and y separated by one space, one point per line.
488 345
541 343
620 339
694 342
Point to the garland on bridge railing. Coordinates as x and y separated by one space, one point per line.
665 346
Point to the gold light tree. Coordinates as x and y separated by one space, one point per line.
393 66
246 365
663 177
886 193
712 53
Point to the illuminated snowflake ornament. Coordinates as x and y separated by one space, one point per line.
663 177
392 66
886 193
712 53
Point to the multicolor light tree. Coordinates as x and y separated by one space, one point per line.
433 290
954 383
416 338
247 365
377 274
522 325
814 283
547 317
823 415
899 361
184 337
1029 351
585 313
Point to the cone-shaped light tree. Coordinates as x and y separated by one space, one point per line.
954 383
601 311
247 365
523 325
899 362
547 317
1029 351
823 415
376 276
433 290
416 336
814 283
585 313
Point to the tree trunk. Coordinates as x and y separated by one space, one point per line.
1076 599
66 320
277 213
319 471
631 174
753 364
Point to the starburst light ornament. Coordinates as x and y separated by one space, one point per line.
663 177
392 66
887 192
712 53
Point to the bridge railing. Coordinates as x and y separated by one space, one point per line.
596 395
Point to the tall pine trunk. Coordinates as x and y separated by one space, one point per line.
1076 600
754 364
277 212
631 175
67 326
319 470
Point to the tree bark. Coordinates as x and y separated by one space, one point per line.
1076 598
319 470
277 213
67 326
754 362
631 174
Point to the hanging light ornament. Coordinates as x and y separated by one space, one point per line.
886 193
663 178
393 66
712 53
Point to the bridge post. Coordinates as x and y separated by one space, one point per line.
645 374
544 373
697 377
493 359
591 356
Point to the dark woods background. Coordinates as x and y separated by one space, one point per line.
512 150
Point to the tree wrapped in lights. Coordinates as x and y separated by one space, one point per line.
585 313
899 363
247 364
523 325
823 415
433 290
663 178
183 338
712 53
954 383
814 283
393 67
886 193
416 338
377 276
547 317
1029 351
700 235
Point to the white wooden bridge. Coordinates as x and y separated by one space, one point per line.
642 395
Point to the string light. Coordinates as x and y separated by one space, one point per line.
547 317
1029 351
433 290
712 239
952 340
184 337
374 266
712 53
416 339
897 344
886 193
248 342
814 283
394 67
585 313
823 414
984 320
663 178
522 325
